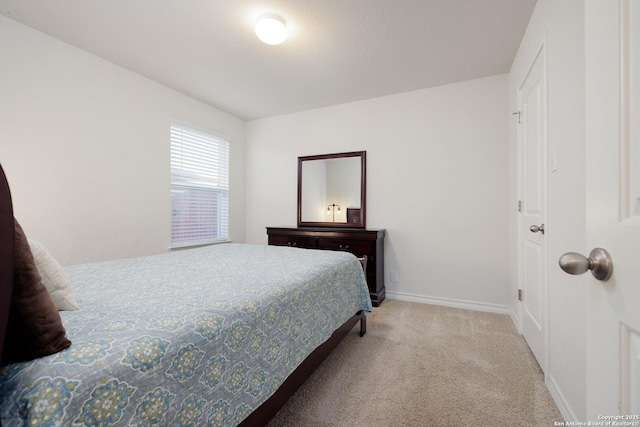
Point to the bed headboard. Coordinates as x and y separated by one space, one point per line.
7 246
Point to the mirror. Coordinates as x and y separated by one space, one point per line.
331 190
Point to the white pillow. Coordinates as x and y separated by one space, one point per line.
53 278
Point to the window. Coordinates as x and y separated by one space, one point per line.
199 187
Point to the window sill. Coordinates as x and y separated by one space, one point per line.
192 245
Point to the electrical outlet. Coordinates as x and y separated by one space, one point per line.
393 275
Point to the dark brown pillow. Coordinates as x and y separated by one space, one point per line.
7 245
34 328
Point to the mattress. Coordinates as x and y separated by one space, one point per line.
192 337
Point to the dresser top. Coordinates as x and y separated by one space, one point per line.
327 231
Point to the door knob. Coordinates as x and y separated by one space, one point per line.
536 228
599 262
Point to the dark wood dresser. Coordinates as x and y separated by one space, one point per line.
360 242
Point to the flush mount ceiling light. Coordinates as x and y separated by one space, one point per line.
271 28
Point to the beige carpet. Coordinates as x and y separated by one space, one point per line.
425 365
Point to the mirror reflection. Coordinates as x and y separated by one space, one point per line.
331 190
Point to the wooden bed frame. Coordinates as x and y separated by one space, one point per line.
258 417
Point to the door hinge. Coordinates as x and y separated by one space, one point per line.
519 294
519 114
519 205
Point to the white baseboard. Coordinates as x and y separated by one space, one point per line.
561 402
515 320
469 305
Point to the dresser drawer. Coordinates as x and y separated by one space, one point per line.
294 241
356 247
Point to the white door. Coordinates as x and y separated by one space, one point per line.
533 252
613 205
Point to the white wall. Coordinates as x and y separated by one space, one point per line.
314 176
561 24
343 186
436 180
85 146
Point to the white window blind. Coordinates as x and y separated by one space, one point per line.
199 187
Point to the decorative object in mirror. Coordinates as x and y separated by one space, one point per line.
329 184
353 215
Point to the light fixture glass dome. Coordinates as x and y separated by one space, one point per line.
271 28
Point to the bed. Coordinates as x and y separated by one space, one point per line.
220 335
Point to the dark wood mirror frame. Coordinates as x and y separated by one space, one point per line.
363 186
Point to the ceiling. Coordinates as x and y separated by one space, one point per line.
338 51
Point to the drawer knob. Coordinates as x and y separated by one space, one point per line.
292 244
344 248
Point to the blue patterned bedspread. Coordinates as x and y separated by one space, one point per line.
194 337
